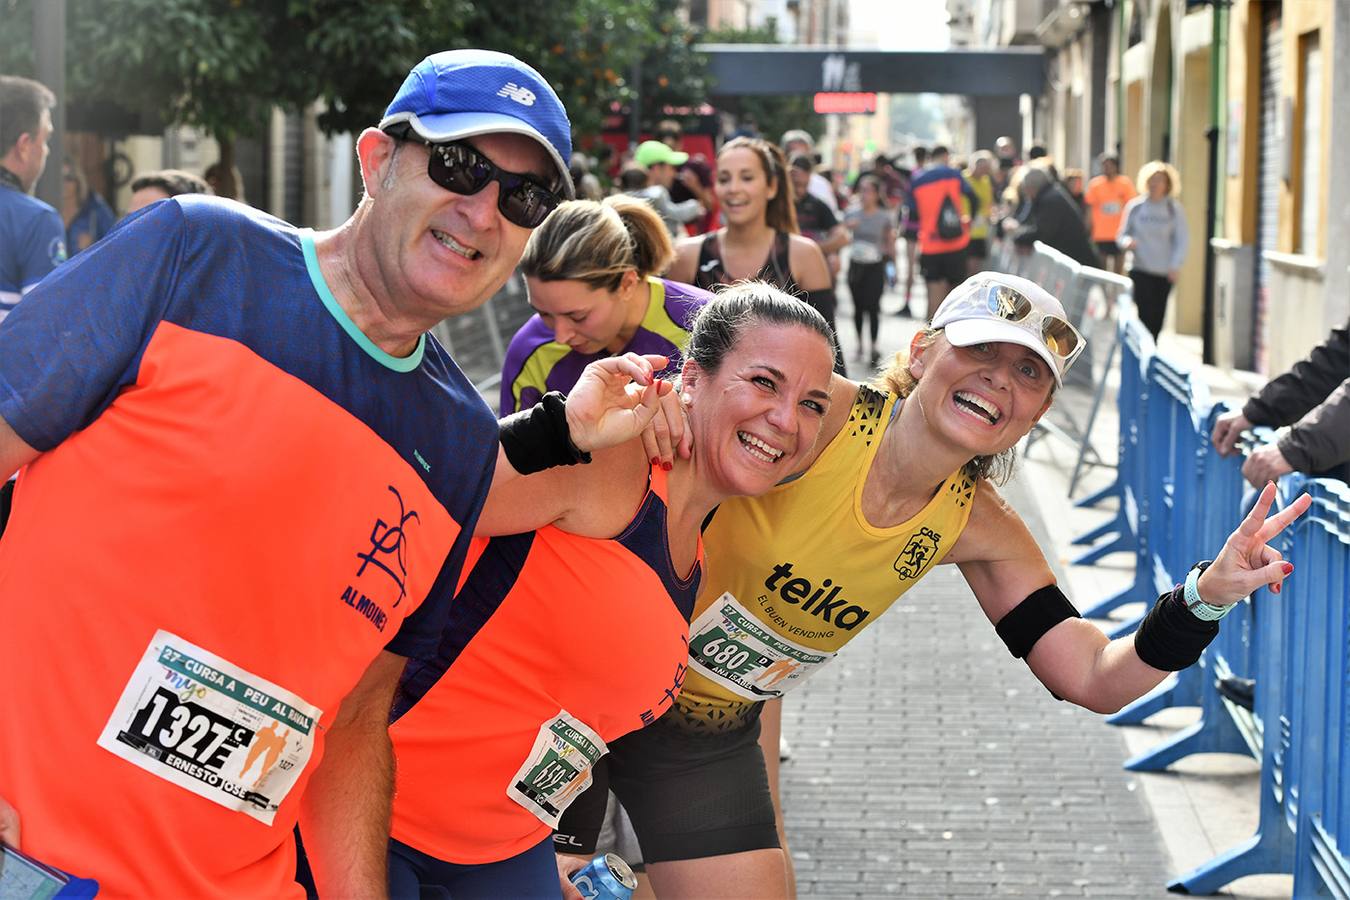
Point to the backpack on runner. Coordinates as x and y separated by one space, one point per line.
949 220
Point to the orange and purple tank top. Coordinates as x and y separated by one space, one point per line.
558 645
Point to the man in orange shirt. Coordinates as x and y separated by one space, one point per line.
272 474
1105 200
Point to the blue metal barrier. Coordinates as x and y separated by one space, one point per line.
1128 488
1302 666
1178 500
1175 449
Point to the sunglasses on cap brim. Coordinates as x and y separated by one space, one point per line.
1002 301
460 168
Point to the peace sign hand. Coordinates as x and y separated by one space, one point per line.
1247 561
614 400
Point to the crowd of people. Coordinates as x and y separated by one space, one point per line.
306 549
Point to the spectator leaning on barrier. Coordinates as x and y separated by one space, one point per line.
32 235
162 184
1052 218
1313 398
1153 230
238 375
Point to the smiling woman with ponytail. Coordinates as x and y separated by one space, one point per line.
760 239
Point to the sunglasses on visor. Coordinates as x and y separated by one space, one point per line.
459 168
1062 340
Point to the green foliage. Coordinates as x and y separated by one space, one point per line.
673 74
224 64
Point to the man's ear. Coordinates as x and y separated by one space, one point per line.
375 153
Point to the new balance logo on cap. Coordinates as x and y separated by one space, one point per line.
523 96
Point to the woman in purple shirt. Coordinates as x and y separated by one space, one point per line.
591 272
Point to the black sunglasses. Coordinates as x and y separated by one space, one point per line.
459 168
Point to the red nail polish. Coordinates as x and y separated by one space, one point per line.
1275 588
1288 568
667 466
656 460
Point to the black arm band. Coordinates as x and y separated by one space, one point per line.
1027 622
1171 638
536 439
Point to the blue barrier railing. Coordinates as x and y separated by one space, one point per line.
1177 500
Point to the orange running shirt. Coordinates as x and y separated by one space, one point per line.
1107 199
241 502
931 187
557 645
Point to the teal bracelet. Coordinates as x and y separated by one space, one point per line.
1205 612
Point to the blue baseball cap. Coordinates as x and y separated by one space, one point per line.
461 93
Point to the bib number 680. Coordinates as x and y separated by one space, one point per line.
725 653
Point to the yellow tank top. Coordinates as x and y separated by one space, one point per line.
793 575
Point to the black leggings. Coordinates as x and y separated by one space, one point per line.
866 282
1150 296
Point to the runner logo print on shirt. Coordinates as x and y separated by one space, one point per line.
730 646
196 720
387 548
558 768
921 550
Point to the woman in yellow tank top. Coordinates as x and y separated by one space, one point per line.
902 479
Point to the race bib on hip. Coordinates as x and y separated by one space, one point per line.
558 768
210 727
732 647
864 254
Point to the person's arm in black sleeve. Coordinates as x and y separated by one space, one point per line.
1288 398
1321 439
1028 232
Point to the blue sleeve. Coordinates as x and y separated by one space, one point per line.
76 339
43 250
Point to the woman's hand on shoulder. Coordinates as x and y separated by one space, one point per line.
614 400
808 264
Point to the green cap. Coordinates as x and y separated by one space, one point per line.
650 153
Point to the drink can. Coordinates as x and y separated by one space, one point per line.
607 877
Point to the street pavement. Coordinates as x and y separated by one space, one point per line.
927 762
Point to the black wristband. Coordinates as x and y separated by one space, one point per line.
1171 638
537 438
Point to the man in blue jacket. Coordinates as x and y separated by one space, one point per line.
32 235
